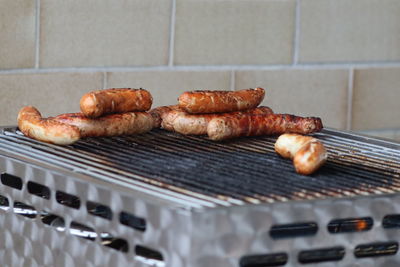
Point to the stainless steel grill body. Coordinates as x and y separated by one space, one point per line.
204 203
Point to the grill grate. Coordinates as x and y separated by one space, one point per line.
245 170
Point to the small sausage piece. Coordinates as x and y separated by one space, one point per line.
31 124
102 102
308 153
176 119
111 125
220 101
253 125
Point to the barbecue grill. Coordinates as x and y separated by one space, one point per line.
163 199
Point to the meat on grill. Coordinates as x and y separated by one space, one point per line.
253 125
220 101
174 118
98 103
31 124
308 153
110 125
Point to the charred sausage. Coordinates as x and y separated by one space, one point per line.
220 101
102 102
176 119
253 125
308 153
31 124
111 125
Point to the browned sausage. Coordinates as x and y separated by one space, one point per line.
308 153
220 101
102 102
252 125
31 124
176 119
159 113
110 125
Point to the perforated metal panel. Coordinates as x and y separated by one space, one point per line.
61 206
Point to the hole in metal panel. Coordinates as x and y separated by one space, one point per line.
53 220
293 230
25 210
376 249
149 256
68 200
321 255
82 231
100 210
38 190
11 181
132 221
4 203
274 259
349 225
116 243
391 221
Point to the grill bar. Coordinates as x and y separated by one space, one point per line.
199 172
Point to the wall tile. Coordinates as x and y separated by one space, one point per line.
17 34
356 30
165 87
382 134
321 93
104 33
376 99
234 32
51 93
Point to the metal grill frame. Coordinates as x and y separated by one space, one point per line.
186 234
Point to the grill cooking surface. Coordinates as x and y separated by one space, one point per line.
236 172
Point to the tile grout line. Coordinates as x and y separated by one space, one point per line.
232 81
206 68
172 35
350 92
105 80
296 38
37 33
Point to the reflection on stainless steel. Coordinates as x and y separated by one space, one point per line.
4 203
53 221
150 262
83 231
25 210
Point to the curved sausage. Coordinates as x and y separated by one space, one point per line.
31 124
111 125
176 119
220 101
253 125
308 153
102 102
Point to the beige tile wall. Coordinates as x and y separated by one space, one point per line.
17 34
337 59
234 32
356 30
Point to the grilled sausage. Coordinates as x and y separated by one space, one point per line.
176 119
102 102
253 125
159 113
110 125
31 124
308 153
220 101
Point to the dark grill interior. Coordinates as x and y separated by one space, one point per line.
226 173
